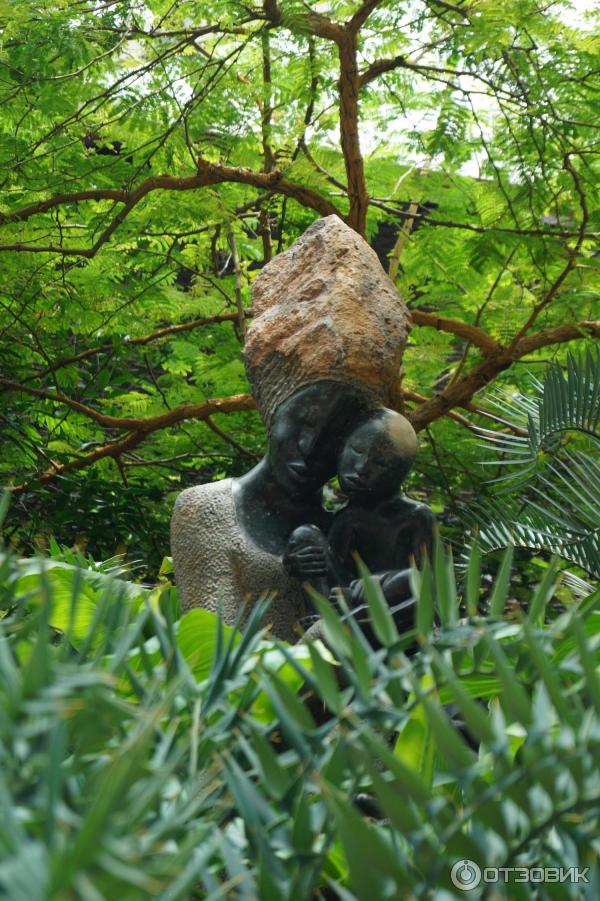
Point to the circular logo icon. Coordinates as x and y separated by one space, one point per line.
465 875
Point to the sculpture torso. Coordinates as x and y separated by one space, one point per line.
221 563
267 514
385 536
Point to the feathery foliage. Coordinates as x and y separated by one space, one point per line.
152 755
551 466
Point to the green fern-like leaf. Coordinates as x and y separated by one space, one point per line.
558 487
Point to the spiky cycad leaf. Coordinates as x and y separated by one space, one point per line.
550 457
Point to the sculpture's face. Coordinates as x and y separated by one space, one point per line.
306 434
373 462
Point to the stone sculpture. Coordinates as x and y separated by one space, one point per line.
322 353
380 525
324 310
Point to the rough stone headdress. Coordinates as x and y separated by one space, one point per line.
324 310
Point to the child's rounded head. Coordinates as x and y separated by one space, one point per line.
377 455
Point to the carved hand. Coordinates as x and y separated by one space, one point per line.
306 561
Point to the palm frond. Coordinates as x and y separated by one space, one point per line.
558 485
501 525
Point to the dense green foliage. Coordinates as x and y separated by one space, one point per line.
154 155
550 498
147 755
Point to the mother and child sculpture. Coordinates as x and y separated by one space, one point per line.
322 354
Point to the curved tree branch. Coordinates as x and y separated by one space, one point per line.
461 392
144 427
472 333
132 423
207 174
362 14
572 254
134 342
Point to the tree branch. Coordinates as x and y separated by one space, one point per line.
135 424
116 194
471 333
207 174
143 340
460 393
362 14
237 269
380 66
145 427
548 232
345 37
560 334
315 23
572 254
476 336
450 7
429 409
348 87
229 440
452 414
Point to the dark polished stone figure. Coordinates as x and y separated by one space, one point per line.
229 537
284 489
381 525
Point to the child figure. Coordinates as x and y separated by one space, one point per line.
380 524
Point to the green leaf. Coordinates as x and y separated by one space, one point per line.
499 594
415 747
452 749
383 621
514 699
542 595
473 579
197 635
335 632
326 682
288 706
592 682
424 621
371 860
445 584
